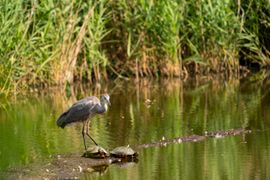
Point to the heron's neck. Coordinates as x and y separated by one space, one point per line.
102 108
105 106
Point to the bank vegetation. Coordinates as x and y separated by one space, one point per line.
44 43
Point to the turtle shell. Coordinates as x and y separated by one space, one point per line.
123 151
95 152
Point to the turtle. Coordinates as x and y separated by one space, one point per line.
124 152
95 152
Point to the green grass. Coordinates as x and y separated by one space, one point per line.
50 42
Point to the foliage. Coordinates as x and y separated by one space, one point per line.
54 42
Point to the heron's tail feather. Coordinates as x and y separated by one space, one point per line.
61 121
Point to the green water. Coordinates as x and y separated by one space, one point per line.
143 113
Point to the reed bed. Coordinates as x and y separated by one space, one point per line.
48 42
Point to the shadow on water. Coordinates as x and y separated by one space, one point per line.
146 112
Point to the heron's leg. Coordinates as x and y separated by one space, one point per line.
87 129
83 134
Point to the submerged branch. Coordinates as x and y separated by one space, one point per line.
195 138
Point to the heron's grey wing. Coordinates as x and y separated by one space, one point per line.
81 110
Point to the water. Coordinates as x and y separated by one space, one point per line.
143 113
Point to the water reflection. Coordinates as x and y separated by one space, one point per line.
145 112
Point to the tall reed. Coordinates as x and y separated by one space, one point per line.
48 42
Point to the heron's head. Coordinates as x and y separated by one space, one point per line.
105 98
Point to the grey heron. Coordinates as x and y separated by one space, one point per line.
82 111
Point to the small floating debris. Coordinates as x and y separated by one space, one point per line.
218 136
148 103
95 152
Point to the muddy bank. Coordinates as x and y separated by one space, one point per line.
72 166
